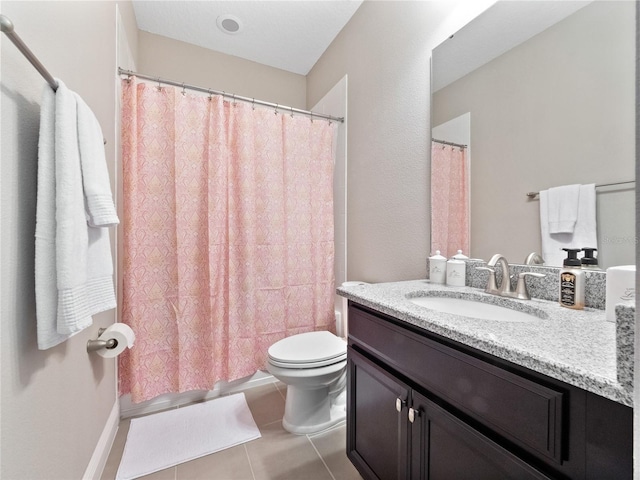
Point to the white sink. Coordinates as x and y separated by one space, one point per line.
474 309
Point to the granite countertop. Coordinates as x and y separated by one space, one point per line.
575 346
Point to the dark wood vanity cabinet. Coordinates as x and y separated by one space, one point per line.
423 407
377 438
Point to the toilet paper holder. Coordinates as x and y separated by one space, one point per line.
99 344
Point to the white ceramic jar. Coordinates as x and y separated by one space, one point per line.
437 268
457 270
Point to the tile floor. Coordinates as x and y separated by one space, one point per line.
277 455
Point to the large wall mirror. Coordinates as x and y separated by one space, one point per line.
542 93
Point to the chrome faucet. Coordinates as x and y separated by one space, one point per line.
521 290
534 258
506 289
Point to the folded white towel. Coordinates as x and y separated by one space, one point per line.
95 177
563 208
45 260
83 253
584 233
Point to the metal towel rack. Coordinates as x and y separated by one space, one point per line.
7 28
533 195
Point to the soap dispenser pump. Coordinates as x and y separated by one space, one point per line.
589 262
572 281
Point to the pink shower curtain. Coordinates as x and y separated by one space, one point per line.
228 236
449 200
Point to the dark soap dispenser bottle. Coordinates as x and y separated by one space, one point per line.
572 281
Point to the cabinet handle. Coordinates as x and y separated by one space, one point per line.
413 414
399 404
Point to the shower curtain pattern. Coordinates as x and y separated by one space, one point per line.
228 236
449 200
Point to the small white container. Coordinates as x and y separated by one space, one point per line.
457 270
620 289
437 268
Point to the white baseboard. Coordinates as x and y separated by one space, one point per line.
101 453
172 400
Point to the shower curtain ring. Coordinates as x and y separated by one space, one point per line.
234 100
291 111
210 95
183 91
159 87
275 110
253 104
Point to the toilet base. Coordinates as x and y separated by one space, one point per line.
312 410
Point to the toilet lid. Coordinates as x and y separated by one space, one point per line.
313 349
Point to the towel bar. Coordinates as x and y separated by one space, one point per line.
6 26
533 195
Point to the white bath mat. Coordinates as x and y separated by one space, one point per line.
165 439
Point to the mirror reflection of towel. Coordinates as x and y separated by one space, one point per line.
562 207
584 232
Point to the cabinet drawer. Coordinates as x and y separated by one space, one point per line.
522 411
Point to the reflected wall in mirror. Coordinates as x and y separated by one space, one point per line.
556 109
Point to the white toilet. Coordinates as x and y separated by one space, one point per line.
313 366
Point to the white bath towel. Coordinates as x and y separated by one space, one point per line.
83 253
584 233
95 177
45 261
73 266
562 204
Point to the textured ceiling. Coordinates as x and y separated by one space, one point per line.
290 35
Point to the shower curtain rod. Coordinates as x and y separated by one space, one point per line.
253 101
444 142
7 28
533 195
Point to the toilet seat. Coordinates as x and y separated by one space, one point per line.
308 350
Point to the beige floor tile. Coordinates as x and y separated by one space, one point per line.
282 387
283 456
332 446
266 404
229 464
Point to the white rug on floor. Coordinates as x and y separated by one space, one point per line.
165 439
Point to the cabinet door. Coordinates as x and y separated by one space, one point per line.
444 448
377 432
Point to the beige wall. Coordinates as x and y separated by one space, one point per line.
182 62
556 110
54 403
385 50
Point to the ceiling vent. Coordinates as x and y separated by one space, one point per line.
229 24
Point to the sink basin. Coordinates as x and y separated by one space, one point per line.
473 309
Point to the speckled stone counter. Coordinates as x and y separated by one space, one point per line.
577 347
